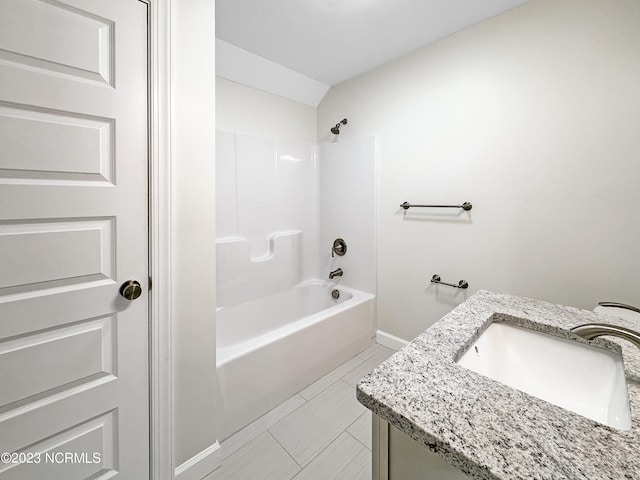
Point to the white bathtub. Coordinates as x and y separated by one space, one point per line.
270 348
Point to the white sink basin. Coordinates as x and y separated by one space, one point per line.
581 378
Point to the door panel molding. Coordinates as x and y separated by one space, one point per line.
98 432
91 59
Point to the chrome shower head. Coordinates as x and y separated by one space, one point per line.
336 130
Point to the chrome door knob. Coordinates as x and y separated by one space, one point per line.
131 289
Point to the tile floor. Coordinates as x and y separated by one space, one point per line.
321 433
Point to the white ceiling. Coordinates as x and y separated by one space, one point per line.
333 40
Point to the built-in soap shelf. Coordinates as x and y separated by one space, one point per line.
242 278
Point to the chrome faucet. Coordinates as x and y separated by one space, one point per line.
336 273
590 331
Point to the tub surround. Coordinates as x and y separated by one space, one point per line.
490 430
278 326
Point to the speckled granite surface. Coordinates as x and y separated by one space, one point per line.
490 430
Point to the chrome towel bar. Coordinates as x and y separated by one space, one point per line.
461 284
465 206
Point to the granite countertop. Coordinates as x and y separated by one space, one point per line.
490 430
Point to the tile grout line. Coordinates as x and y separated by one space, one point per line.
352 436
354 367
351 424
382 347
350 386
290 413
285 451
323 450
339 378
356 383
251 438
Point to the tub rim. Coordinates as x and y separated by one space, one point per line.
232 352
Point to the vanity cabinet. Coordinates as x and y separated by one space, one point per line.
396 456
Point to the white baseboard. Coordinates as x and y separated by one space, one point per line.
200 465
390 341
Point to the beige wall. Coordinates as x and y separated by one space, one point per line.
534 117
193 224
243 109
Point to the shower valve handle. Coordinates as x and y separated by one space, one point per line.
339 247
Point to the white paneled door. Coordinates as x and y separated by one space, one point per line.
73 228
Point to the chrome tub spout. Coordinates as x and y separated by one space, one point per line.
336 273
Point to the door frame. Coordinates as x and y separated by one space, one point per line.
166 140
161 413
